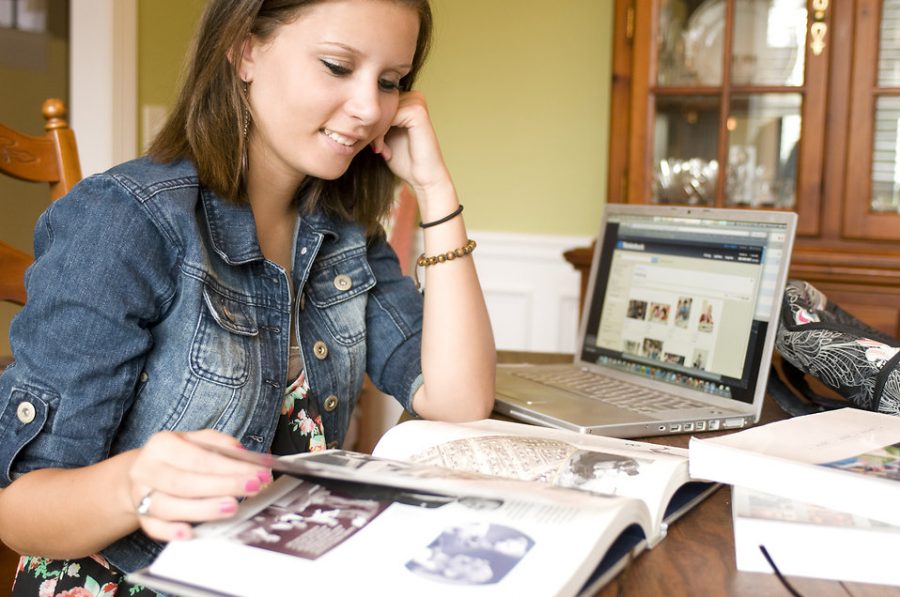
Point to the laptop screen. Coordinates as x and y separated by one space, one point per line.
685 300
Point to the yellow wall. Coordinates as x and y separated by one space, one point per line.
519 93
165 28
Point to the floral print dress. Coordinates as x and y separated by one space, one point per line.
299 429
87 577
300 426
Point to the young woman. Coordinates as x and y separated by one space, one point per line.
233 288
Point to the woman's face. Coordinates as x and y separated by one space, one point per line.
326 85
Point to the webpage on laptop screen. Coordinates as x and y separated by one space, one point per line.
685 301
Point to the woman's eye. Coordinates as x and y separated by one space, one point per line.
387 85
339 70
336 69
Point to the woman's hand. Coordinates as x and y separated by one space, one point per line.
410 147
179 481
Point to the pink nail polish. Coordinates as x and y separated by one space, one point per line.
228 507
252 486
264 476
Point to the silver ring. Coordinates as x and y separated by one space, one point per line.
143 507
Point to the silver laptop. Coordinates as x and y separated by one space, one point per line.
677 329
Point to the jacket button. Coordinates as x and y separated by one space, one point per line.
227 313
144 377
25 412
343 282
331 403
320 349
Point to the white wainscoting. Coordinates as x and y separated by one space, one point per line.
530 289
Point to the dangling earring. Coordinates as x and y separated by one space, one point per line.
244 157
246 110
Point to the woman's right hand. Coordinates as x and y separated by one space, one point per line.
188 483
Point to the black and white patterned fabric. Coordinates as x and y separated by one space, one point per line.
823 340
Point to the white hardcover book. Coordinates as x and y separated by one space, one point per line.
807 540
846 460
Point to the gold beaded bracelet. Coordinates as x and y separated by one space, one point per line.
424 261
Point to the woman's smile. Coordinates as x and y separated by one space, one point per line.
344 144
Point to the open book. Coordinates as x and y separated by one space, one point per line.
407 522
846 460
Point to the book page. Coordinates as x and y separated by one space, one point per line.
819 438
347 538
343 465
593 464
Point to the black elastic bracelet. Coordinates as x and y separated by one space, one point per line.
450 216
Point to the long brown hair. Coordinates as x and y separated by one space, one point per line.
206 125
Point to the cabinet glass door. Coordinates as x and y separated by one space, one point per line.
885 195
874 137
729 84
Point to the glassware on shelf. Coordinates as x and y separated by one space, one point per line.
685 142
768 43
687 182
681 59
763 140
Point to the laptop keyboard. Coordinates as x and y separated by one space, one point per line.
613 391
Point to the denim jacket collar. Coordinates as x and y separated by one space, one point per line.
232 228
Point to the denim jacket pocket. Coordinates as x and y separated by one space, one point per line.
22 418
220 351
338 290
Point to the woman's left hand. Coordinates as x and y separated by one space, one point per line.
410 147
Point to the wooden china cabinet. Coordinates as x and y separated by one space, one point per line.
773 104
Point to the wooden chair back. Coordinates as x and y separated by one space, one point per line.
13 264
51 158
402 236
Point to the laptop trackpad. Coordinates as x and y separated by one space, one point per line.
559 404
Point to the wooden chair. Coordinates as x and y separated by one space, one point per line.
52 159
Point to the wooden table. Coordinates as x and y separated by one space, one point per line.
697 555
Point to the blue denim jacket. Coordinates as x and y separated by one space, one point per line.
151 307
